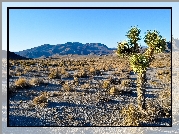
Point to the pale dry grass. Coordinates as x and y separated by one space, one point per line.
21 82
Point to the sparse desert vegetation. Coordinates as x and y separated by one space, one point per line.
87 91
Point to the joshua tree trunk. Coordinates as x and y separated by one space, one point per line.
136 47
141 80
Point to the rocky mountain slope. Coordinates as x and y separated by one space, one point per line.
65 49
12 55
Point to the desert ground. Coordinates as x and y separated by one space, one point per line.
120 130
87 91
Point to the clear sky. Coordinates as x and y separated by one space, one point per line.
32 28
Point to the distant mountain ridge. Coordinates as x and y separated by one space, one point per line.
14 56
47 50
65 49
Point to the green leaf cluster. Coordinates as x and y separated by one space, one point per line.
133 35
139 63
123 48
155 41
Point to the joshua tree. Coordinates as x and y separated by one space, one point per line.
140 62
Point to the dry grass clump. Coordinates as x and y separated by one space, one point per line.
62 70
76 81
12 73
92 70
154 83
132 116
67 87
41 100
21 82
126 83
106 84
81 74
54 74
113 90
36 81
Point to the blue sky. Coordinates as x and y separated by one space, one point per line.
32 28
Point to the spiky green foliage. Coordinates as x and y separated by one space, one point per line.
155 41
123 48
131 46
133 35
139 63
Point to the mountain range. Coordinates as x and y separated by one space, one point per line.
65 49
47 50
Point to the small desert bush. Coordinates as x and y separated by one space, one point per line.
54 74
113 90
153 83
41 100
19 70
92 70
12 73
18 73
21 82
67 87
81 74
62 70
106 84
126 83
132 116
36 81
76 81
164 75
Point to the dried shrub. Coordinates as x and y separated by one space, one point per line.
62 70
54 74
76 81
92 70
21 82
67 87
113 91
126 83
106 84
36 81
81 74
41 100
131 115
